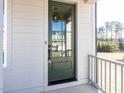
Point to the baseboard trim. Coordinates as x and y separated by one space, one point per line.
28 90
41 89
65 85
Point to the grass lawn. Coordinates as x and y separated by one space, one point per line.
117 56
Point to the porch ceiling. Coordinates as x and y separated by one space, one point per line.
89 1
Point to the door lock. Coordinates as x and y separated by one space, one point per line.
45 42
49 61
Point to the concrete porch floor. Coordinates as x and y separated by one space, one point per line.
76 89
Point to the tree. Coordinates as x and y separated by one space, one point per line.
116 27
108 28
101 31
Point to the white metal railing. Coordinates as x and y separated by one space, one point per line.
105 74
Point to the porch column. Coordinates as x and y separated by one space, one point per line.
1 43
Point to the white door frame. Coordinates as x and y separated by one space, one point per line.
1 44
58 86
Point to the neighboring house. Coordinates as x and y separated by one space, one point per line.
39 57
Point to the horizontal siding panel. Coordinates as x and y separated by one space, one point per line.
19 44
28 11
27 22
35 63
26 61
22 77
86 32
28 50
25 10
31 24
27 53
27 16
85 39
36 3
34 34
85 21
86 51
30 56
27 29
84 25
27 26
86 15
83 11
27 37
83 76
21 6
85 8
34 60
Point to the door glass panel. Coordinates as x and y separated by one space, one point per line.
61 31
57 31
61 42
68 39
68 31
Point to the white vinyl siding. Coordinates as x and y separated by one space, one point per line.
26 71
85 37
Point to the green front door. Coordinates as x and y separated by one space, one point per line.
61 42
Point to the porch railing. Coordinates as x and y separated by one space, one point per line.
106 75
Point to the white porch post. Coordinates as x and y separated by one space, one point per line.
1 43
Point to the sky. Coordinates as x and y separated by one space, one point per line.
57 26
110 10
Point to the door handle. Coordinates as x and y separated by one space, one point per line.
49 54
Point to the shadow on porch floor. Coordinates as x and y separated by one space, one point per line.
76 89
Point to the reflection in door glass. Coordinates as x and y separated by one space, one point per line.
61 32
68 31
68 38
57 28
